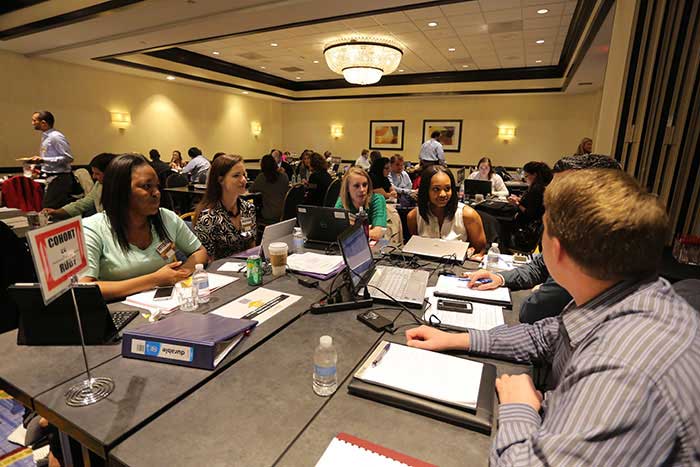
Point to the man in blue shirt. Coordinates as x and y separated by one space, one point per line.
55 158
198 167
432 152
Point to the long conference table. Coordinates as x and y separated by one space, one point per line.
256 408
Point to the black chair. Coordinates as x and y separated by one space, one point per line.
178 202
293 198
492 228
15 266
332 193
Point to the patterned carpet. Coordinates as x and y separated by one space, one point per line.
10 417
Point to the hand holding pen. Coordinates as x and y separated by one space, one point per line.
483 280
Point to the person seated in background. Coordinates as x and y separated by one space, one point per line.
373 156
303 170
586 147
363 161
485 172
550 298
531 204
92 202
440 215
329 157
273 185
356 192
624 354
131 245
158 165
401 182
319 180
379 173
223 221
283 166
197 168
176 162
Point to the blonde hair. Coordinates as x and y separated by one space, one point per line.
345 189
580 150
606 222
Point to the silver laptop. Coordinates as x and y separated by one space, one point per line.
275 233
406 286
437 248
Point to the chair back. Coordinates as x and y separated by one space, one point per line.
394 230
22 193
85 180
178 202
492 229
293 198
332 193
175 179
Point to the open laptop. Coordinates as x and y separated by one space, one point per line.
406 286
475 187
322 225
272 233
437 248
56 324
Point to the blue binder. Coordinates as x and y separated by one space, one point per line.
188 339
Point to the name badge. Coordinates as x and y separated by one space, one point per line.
166 250
247 224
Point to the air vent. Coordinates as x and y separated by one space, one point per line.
512 57
292 69
509 26
252 56
585 83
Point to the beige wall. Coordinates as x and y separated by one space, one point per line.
547 125
164 115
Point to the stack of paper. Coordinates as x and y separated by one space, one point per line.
17 222
315 264
261 304
456 287
483 316
145 299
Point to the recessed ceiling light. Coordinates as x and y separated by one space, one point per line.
274 44
170 77
315 61
539 41
216 53
465 66
538 61
245 92
451 49
401 70
542 11
262 67
298 77
432 24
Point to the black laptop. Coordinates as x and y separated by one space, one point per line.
56 323
476 187
322 225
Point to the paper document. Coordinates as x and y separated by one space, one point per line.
232 266
423 373
250 305
145 299
16 222
314 262
457 287
483 316
505 262
346 450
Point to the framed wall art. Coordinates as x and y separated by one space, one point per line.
386 134
451 133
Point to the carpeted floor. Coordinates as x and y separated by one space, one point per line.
10 417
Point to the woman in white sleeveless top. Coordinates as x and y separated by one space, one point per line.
485 172
439 215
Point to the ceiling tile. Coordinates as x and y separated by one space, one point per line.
362 22
473 30
555 10
465 20
542 23
424 13
505 27
493 5
392 18
462 8
443 33
501 16
401 27
569 8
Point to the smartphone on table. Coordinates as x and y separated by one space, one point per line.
163 293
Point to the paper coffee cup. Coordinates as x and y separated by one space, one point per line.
278 258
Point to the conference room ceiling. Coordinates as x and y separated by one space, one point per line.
275 48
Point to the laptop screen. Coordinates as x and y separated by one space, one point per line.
357 254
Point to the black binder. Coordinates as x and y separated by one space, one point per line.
481 419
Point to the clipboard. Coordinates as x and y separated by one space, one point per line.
480 418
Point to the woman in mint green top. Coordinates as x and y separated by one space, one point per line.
356 191
131 244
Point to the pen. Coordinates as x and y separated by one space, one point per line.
263 308
381 355
483 281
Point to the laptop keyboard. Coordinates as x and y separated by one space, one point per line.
122 318
393 281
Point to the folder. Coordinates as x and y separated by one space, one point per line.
477 414
188 339
456 288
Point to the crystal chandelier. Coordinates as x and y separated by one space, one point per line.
363 60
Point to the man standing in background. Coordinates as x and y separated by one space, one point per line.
55 158
431 152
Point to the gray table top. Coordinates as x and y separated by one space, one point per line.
146 389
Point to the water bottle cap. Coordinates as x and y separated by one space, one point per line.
297 230
494 244
326 341
199 267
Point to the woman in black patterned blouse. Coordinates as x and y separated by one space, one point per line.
224 223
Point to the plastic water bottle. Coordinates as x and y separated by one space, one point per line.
298 240
363 220
200 279
325 362
492 257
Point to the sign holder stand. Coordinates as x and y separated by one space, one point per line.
90 390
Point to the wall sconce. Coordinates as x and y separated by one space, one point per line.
336 131
120 119
255 128
506 133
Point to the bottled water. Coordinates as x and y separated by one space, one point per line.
492 257
200 280
298 240
325 362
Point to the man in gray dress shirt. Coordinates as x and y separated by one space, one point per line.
197 169
431 152
625 353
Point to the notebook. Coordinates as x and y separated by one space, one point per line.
483 316
456 288
349 451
